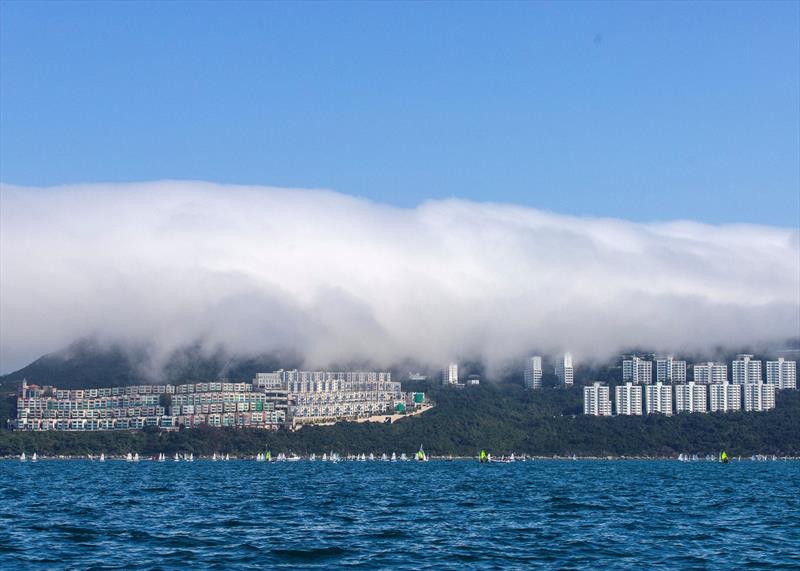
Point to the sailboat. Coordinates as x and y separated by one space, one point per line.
136 457
403 457
191 457
324 456
227 457
484 457
129 457
723 457
421 456
384 457
102 457
312 458
177 458
214 457
35 457
23 458
394 457
371 456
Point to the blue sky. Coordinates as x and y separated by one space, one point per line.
645 111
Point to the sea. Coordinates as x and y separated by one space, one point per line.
550 514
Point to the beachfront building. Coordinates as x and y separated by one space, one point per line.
782 374
670 370
326 396
628 399
658 398
691 397
710 373
725 397
270 401
596 400
637 370
758 397
564 371
745 370
533 373
450 374
138 406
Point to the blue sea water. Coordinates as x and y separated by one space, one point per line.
372 515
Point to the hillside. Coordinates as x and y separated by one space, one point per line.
501 419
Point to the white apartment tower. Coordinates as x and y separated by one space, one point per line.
533 373
725 397
450 374
691 397
782 374
710 373
745 369
564 371
637 370
758 397
596 401
658 398
670 370
628 399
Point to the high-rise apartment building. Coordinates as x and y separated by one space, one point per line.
658 398
450 374
691 397
758 397
725 397
628 399
637 370
782 374
596 400
670 370
710 373
564 371
745 369
533 373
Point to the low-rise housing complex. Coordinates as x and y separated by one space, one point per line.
270 401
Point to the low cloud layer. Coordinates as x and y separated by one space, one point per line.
336 278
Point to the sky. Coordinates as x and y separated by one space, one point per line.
643 111
384 181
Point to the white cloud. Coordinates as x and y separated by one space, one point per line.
337 277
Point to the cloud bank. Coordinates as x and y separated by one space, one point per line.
334 277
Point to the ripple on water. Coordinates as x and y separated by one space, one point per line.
243 515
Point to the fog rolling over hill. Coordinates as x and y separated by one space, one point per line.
330 278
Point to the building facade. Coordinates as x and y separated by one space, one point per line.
315 396
658 398
138 406
691 397
628 399
533 373
596 401
725 397
564 370
710 373
745 369
637 370
782 374
758 397
670 370
450 374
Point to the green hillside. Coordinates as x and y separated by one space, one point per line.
502 419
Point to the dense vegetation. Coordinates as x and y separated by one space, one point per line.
500 418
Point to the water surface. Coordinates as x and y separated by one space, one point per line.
405 515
